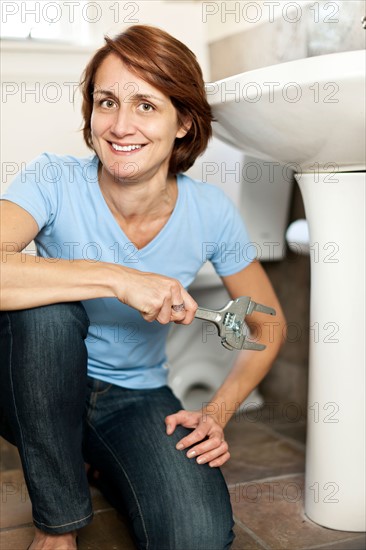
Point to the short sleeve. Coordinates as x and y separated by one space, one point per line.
34 189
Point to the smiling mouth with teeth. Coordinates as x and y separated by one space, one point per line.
126 148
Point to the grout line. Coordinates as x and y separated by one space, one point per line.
328 545
31 524
251 534
264 479
293 442
14 527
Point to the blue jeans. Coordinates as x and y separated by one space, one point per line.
60 418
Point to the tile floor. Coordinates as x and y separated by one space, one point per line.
265 479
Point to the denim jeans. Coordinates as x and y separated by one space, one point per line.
60 418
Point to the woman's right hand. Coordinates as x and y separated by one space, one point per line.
31 281
154 295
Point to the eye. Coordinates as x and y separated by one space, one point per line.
107 103
146 107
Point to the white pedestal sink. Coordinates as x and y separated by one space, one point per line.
311 113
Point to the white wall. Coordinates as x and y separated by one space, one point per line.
227 18
38 79
182 19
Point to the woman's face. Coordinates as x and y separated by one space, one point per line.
133 124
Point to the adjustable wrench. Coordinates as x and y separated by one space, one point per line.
230 322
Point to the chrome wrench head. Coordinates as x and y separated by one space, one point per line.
230 322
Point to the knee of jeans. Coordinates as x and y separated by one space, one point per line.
214 534
53 323
211 530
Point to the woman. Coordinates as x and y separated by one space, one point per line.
120 237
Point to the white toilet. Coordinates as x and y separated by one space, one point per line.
261 190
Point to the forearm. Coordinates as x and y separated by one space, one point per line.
30 281
248 371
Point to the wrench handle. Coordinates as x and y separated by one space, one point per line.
208 315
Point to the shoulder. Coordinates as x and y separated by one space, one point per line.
203 193
46 163
53 171
65 163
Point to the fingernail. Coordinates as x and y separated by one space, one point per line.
190 454
200 460
180 446
168 428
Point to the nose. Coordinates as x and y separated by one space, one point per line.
123 122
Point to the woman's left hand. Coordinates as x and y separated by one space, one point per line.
207 432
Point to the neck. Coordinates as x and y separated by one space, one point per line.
131 200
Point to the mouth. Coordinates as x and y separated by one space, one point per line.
126 148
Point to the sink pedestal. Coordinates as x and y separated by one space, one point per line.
335 457
311 113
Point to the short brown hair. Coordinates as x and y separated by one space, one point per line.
171 67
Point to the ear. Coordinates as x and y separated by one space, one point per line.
184 127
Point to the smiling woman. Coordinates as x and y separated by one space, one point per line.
165 69
119 238
133 134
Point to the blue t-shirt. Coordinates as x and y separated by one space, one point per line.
62 193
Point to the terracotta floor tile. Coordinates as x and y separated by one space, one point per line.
16 539
257 452
358 543
16 507
243 541
286 419
273 510
296 431
108 531
274 413
9 456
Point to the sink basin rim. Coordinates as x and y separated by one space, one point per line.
323 128
301 71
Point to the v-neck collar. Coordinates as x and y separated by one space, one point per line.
110 215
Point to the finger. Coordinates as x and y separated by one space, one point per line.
211 444
152 308
178 315
173 298
212 455
190 308
219 461
172 421
194 437
165 312
149 316
178 312
177 292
